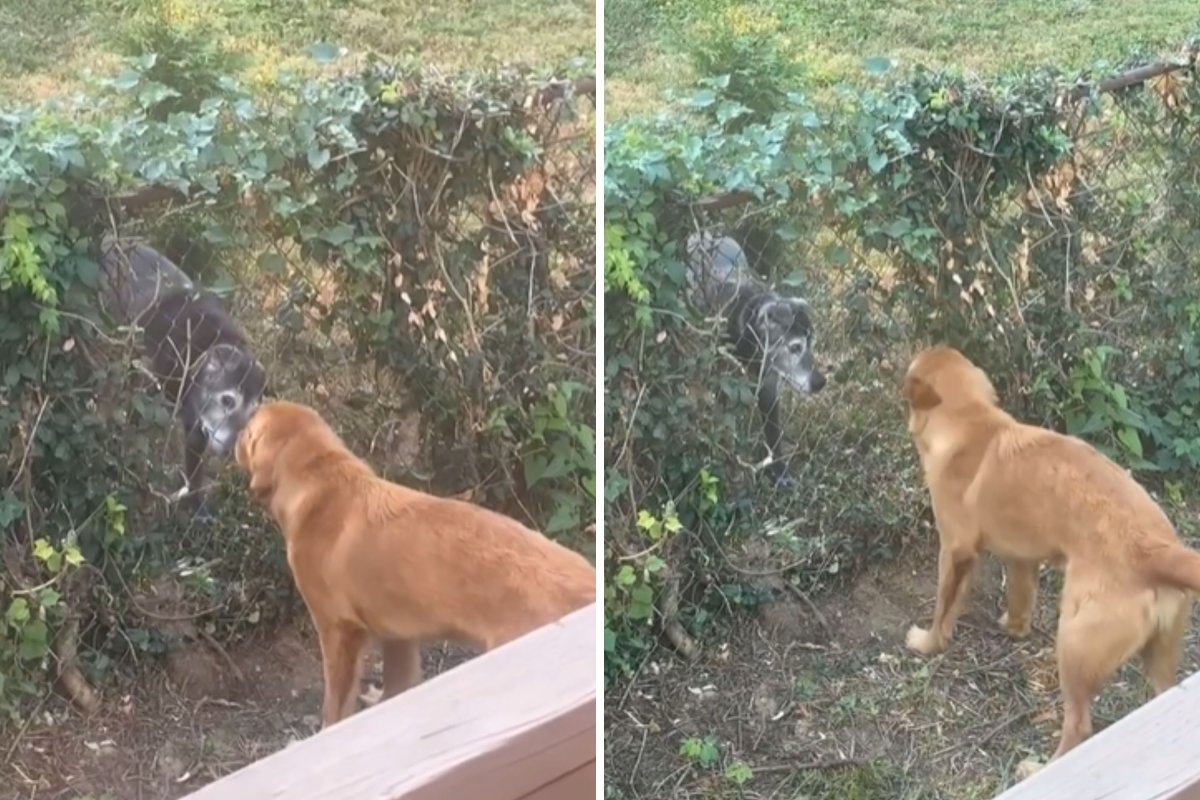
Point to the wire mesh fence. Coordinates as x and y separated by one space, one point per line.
411 253
1039 225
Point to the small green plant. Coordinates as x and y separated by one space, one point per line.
22 265
560 456
177 59
629 594
1097 405
702 752
28 618
739 773
743 55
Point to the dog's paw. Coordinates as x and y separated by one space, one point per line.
1028 767
203 517
785 481
371 696
1017 630
923 641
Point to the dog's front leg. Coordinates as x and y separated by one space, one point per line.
956 573
341 660
401 666
1022 577
768 407
195 501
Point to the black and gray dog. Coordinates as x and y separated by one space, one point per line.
772 335
196 352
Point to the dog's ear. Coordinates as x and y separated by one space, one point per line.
801 315
919 394
778 314
261 486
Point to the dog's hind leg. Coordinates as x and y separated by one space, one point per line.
1094 640
401 665
1161 655
1022 579
341 659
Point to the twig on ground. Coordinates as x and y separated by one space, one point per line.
832 763
797 591
816 612
214 644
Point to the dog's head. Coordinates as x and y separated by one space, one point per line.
784 327
942 377
227 388
270 428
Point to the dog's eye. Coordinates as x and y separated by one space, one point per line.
228 402
798 346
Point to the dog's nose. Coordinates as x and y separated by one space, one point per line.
818 382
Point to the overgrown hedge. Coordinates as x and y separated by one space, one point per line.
401 245
1042 225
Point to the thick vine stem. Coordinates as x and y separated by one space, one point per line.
70 676
672 627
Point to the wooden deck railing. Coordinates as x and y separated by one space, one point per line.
1151 754
518 723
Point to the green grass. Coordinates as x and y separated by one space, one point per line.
46 44
647 41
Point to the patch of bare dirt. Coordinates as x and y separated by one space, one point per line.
779 706
205 713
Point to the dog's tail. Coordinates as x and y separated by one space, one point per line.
1177 566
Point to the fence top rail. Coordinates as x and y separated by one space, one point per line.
503 726
1151 754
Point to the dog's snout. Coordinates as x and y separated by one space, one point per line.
817 382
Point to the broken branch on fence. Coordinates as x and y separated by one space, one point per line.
557 90
1130 78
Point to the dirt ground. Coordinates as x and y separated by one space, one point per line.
180 727
781 706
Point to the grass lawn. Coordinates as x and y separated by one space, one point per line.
46 44
647 41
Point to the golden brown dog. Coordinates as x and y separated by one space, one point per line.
372 557
1031 495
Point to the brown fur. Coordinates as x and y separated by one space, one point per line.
373 557
1030 496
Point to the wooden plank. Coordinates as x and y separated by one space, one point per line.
573 786
1151 754
503 726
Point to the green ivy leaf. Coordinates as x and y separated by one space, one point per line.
324 52
1130 439
73 556
127 79
43 550
318 157
11 509
18 611
338 235
272 263
33 641
877 65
